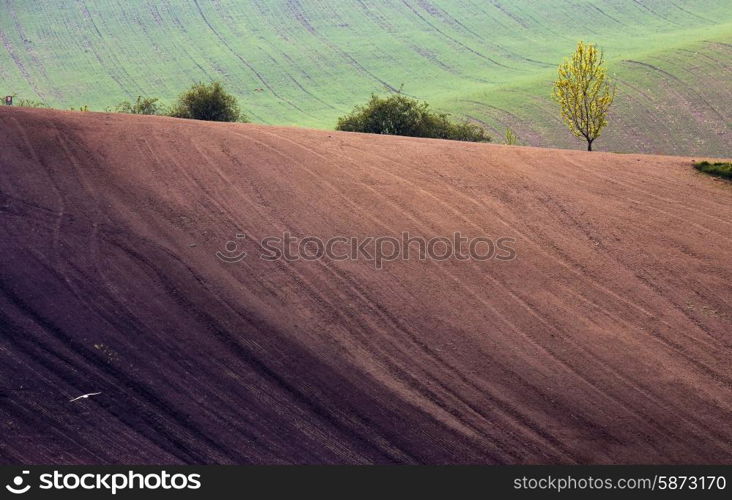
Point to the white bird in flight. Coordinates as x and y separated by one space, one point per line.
85 396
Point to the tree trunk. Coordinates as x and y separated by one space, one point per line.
589 145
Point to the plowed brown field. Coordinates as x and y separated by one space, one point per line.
606 340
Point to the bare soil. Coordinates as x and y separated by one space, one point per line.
606 340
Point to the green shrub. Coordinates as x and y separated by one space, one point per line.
31 103
208 102
511 137
719 169
401 115
142 106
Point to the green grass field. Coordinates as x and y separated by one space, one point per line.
305 62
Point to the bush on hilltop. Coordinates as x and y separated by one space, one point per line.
208 102
402 115
719 169
142 106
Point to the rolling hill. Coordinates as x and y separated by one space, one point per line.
606 339
306 63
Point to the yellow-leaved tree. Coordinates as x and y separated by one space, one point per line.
584 92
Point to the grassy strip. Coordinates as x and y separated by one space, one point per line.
718 169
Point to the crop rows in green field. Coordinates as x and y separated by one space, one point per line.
305 62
